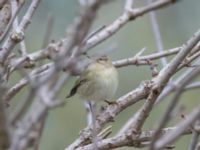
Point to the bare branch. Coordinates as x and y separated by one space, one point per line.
42 102
127 140
45 72
4 130
172 136
145 60
15 12
194 140
5 17
49 29
123 19
18 34
159 82
173 103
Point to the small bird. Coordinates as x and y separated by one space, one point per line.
98 82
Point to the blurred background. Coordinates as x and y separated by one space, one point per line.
177 24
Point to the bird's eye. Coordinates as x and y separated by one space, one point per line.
103 58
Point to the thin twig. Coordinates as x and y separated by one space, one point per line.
15 8
48 31
141 60
40 130
194 140
157 34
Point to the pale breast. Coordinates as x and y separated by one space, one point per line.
103 83
107 85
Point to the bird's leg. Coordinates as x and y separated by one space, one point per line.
88 113
94 131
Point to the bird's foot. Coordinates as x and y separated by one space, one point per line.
110 102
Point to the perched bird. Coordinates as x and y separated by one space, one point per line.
98 82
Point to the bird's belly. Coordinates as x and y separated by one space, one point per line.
104 90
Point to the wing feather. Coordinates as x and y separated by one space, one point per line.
76 86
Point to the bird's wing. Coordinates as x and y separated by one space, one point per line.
78 83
